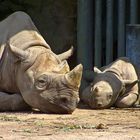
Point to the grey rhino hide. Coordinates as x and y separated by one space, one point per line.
31 75
116 85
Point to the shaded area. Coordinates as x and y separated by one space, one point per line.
54 19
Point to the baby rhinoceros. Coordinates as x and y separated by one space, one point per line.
31 75
116 85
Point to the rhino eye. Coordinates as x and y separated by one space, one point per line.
110 96
41 81
41 84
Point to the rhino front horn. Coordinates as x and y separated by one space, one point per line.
74 76
21 54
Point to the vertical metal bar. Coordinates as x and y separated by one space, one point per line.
98 35
109 31
121 28
133 11
85 34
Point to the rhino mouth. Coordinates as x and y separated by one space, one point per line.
96 104
52 108
59 111
64 109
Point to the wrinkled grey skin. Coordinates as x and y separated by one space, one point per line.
31 75
116 85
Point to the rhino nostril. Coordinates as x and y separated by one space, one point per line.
64 100
70 111
99 105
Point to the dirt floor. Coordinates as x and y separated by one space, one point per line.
83 124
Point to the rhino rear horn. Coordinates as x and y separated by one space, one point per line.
66 55
74 76
21 54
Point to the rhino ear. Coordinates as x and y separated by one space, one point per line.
62 68
130 83
21 54
97 70
66 54
74 76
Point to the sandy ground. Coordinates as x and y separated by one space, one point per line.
83 124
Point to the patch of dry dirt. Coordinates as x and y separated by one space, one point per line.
83 124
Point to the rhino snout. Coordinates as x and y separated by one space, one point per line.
99 105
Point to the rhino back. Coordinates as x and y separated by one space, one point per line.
19 29
124 68
125 71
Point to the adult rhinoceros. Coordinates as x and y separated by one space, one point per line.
116 85
31 75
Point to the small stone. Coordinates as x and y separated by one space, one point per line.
101 126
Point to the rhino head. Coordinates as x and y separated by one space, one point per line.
45 82
105 89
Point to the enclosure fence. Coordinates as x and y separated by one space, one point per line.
101 30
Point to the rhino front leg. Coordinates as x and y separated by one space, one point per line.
128 100
12 102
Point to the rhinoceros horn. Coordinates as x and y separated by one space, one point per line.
74 76
21 54
66 55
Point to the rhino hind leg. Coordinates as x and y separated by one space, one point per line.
12 102
128 100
